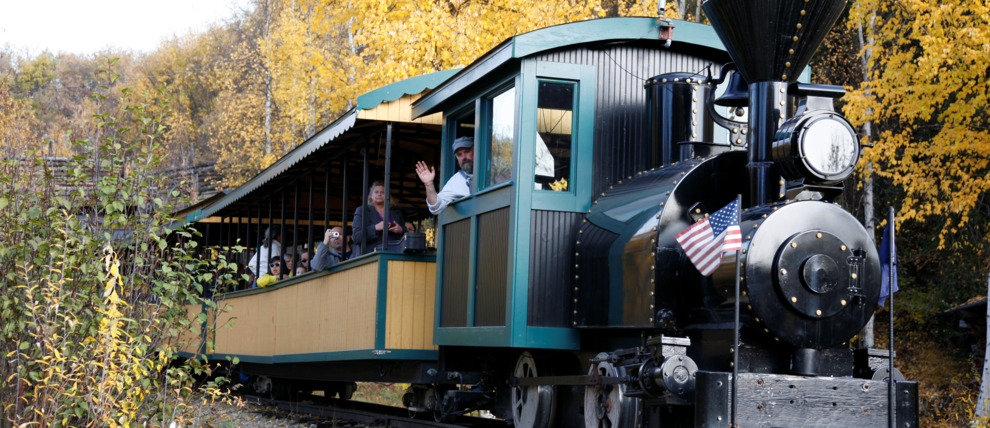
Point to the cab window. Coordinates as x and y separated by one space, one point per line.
554 128
501 138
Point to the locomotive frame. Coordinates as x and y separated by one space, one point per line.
556 294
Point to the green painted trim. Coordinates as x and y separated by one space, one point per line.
194 216
553 338
582 144
470 207
517 304
450 214
535 337
472 336
472 272
607 29
410 86
187 355
493 199
456 85
381 304
257 359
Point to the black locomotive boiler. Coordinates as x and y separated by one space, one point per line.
558 295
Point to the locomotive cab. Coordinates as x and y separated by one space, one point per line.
548 137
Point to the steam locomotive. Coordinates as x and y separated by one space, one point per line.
558 294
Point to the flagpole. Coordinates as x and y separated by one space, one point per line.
890 339
735 330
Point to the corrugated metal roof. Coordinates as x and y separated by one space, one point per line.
300 152
411 86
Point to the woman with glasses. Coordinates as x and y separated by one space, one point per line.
292 268
303 263
332 250
274 269
370 220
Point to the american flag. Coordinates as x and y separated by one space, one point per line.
705 241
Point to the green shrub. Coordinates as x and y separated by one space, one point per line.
93 281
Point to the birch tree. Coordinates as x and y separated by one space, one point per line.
927 81
983 402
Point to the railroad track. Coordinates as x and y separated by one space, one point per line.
376 415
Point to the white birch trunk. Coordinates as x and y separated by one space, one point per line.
352 71
982 404
268 86
866 334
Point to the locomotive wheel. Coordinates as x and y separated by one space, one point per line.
532 406
607 406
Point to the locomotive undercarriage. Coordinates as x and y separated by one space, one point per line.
658 384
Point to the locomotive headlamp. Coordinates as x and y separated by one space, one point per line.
819 146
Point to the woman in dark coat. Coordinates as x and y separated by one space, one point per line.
370 221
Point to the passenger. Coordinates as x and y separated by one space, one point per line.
458 186
303 263
369 230
274 270
287 260
290 265
270 247
331 251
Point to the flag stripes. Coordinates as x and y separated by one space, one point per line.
705 241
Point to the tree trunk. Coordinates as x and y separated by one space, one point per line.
982 404
268 86
866 334
352 71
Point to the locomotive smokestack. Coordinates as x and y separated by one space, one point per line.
771 42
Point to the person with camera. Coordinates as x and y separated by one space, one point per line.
332 250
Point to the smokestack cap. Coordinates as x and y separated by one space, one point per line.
772 40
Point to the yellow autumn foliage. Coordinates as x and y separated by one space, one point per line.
927 94
308 60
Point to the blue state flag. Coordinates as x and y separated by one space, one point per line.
888 263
